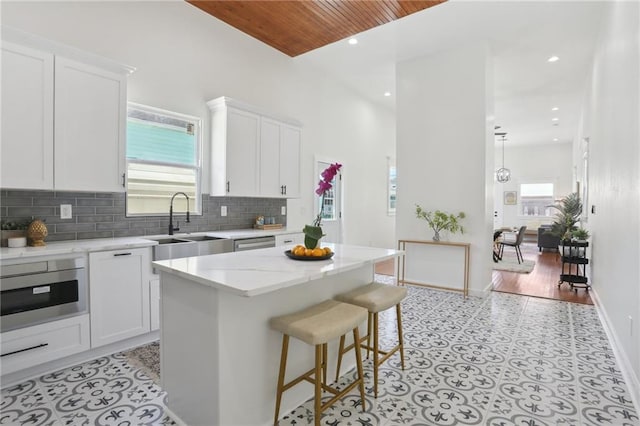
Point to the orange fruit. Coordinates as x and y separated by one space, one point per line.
297 248
327 251
298 251
307 252
317 252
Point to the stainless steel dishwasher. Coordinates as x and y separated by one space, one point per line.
253 243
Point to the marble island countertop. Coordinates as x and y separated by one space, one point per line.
255 272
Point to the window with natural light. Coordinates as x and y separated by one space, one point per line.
535 199
163 157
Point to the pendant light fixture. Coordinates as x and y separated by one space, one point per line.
503 174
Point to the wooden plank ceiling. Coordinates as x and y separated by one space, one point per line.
296 27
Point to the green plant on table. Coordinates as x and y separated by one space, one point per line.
441 221
19 225
580 234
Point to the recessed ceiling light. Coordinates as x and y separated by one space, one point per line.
555 139
555 109
387 93
555 119
353 41
553 59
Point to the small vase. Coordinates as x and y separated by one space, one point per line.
36 232
312 236
436 236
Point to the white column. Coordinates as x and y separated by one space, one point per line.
445 148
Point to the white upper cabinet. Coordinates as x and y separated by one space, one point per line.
279 159
290 140
27 118
90 126
63 117
253 153
234 147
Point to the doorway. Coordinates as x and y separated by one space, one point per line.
331 209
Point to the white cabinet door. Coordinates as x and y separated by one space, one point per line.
90 125
118 294
234 152
27 118
270 135
29 346
279 159
290 160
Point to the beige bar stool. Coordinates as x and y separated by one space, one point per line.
375 298
316 326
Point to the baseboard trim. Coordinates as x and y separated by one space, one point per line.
632 381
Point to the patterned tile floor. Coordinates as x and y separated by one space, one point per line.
503 360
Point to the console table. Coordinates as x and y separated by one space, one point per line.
402 245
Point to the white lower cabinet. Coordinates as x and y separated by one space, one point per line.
154 303
41 343
119 294
283 240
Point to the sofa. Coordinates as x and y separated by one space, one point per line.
545 239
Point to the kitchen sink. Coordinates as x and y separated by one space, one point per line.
171 241
201 238
196 245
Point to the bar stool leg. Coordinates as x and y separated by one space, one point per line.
375 354
356 338
283 366
369 321
400 340
324 364
340 352
318 387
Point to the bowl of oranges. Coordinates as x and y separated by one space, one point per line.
300 252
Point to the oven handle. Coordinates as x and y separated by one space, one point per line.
36 280
41 345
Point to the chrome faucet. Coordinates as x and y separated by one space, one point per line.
171 228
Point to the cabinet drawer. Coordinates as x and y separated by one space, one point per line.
35 345
283 240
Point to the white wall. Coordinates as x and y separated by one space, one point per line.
185 57
445 148
531 164
612 126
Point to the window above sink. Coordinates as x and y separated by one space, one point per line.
163 157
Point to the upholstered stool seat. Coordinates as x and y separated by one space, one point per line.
375 298
316 326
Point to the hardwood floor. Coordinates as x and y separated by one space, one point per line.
386 268
541 282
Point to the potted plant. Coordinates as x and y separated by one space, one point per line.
13 229
580 234
441 221
569 209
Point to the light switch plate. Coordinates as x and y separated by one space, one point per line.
223 210
66 211
283 210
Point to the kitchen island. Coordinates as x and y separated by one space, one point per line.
219 358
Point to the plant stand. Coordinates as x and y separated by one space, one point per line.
574 264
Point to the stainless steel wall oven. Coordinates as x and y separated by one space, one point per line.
42 291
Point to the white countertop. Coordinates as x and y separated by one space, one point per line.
75 246
255 272
99 244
